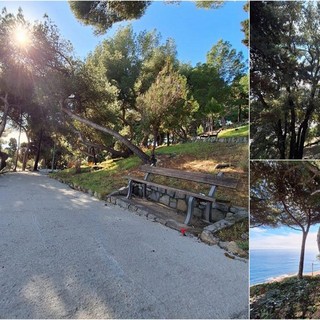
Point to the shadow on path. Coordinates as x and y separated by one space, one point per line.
63 254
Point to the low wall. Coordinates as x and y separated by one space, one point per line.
179 202
224 140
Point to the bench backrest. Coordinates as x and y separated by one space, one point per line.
192 176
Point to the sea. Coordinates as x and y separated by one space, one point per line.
266 265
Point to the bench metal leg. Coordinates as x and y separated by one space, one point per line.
190 210
130 187
207 212
144 191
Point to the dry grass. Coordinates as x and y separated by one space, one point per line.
236 155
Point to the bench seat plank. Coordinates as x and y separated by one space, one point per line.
189 193
193 176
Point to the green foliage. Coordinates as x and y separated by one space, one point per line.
215 4
12 147
126 66
165 103
103 14
207 87
102 181
246 26
289 298
284 78
235 233
240 97
244 245
200 130
281 193
219 86
227 61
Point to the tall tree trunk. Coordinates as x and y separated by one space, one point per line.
300 147
305 123
303 247
292 128
281 143
5 113
160 138
25 157
144 141
155 140
36 161
303 133
239 113
138 152
318 239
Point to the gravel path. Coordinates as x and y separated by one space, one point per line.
64 254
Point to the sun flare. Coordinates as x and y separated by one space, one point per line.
21 36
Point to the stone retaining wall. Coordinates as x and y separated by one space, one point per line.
224 140
179 202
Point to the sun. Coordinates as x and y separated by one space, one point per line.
21 36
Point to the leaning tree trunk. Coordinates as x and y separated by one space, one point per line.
138 152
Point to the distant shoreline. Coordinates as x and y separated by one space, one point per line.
280 278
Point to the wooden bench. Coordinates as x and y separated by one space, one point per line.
210 134
213 180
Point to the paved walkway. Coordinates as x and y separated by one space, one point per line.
64 254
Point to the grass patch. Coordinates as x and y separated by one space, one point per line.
290 298
236 154
234 233
242 131
103 181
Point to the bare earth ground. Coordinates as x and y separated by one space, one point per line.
64 254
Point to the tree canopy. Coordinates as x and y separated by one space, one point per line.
284 52
284 193
166 103
102 15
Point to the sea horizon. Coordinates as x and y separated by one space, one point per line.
268 264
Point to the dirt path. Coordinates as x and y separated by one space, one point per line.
64 254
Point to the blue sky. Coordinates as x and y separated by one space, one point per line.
282 238
194 30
